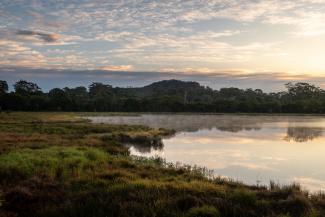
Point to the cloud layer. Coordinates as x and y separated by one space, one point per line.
120 76
191 36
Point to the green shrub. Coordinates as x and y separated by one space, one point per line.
204 211
186 202
297 205
243 198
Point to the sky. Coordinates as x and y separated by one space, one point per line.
219 43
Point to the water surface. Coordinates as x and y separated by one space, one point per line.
252 149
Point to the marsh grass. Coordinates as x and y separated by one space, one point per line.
38 117
206 211
54 164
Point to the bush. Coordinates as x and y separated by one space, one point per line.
204 211
297 205
186 202
244 198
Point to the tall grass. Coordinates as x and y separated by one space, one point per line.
53 161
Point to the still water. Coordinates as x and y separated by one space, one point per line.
248 148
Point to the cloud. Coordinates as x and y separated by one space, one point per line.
69 61
180 35
46 37
206 49
116 68
113 36
306 23
14 53
162 51
253 166
155 15
49 78
313 184
39 38
18 54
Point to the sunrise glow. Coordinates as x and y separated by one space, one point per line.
272 38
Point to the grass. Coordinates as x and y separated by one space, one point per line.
52 162
56 164
38 117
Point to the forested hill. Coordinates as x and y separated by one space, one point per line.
162 96
170 88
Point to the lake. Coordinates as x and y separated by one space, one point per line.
253 149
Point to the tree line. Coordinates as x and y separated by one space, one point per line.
162 96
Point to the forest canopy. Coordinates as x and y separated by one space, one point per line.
162 96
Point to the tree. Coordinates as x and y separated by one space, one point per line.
231 92
58 98
78 98
56 93
303 90
163 96
23 87
101 96
100 89
12 101
3 87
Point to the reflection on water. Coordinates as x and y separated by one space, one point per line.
188 123
144 149
244 147
302 134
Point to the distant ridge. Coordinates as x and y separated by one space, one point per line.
168 87
173 83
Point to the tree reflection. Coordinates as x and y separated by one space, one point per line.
302 134
301 128
191 123
236 129
144 148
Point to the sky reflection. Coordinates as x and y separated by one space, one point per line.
252 149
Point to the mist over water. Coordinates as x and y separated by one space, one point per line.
250 148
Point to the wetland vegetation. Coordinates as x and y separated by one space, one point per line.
57 164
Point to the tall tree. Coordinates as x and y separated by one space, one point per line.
3 87
101 96
59 99
303 90
23 87
78 98
100 89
